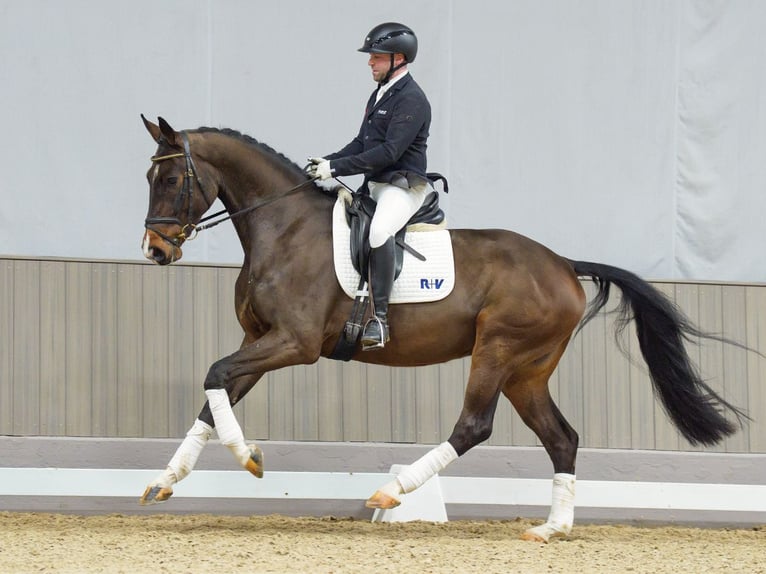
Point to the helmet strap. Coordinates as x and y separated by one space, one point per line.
391 70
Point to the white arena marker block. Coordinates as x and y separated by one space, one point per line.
426 503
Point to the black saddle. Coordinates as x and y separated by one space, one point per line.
359 213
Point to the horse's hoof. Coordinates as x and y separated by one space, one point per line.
255 463
383 501
544 533
155 495
530 536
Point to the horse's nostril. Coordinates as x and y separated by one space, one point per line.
157 255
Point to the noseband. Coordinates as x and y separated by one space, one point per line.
188 230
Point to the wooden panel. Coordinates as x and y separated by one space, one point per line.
26 356
185 390
379 401
503 424
403 408
122 349
79 343
53 349
452 383
305 405
330 400
756 368
7 345
130 342
256 408
156 352
735 359
427 401
104 350
595 429
281 404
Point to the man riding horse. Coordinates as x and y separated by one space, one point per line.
390 149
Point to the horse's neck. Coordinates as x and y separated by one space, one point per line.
257 178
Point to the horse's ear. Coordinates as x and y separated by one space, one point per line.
153 129
171 136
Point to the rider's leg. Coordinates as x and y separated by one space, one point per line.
395 206
382 265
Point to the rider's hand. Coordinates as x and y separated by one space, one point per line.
319 168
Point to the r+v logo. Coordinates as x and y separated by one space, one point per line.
431 283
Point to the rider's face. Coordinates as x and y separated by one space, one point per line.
381 63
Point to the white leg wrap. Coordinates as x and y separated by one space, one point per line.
561 516
226 424
186 456
426 466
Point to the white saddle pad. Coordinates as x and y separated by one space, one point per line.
419 281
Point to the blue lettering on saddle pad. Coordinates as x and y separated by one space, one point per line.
431 283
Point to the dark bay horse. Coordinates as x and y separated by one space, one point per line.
514 308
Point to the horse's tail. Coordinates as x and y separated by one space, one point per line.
662 328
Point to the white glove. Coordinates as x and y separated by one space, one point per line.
319 168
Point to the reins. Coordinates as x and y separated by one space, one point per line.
197 228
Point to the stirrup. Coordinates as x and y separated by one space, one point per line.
368 342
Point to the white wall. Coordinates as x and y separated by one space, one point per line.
630 132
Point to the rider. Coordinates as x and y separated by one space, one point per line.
390 150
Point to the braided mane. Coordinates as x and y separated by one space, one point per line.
253 142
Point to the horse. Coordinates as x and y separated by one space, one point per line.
514 308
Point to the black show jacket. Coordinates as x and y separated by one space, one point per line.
391 144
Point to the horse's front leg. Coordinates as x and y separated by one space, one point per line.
272 351
185 457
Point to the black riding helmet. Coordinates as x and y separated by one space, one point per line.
391 38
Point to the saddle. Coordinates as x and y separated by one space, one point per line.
359 212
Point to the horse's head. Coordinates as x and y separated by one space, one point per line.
177 197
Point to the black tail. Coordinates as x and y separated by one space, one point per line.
662 328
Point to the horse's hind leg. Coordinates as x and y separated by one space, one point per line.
185 457
489 370
530 396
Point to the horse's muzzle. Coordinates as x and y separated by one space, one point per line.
158 249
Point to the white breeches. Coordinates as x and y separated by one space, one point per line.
395 207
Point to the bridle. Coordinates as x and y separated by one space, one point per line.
190 230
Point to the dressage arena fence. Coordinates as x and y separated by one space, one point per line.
115 353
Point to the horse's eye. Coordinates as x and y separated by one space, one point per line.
172 180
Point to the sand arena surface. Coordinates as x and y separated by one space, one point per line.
34 542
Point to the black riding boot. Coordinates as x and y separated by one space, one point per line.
382 268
